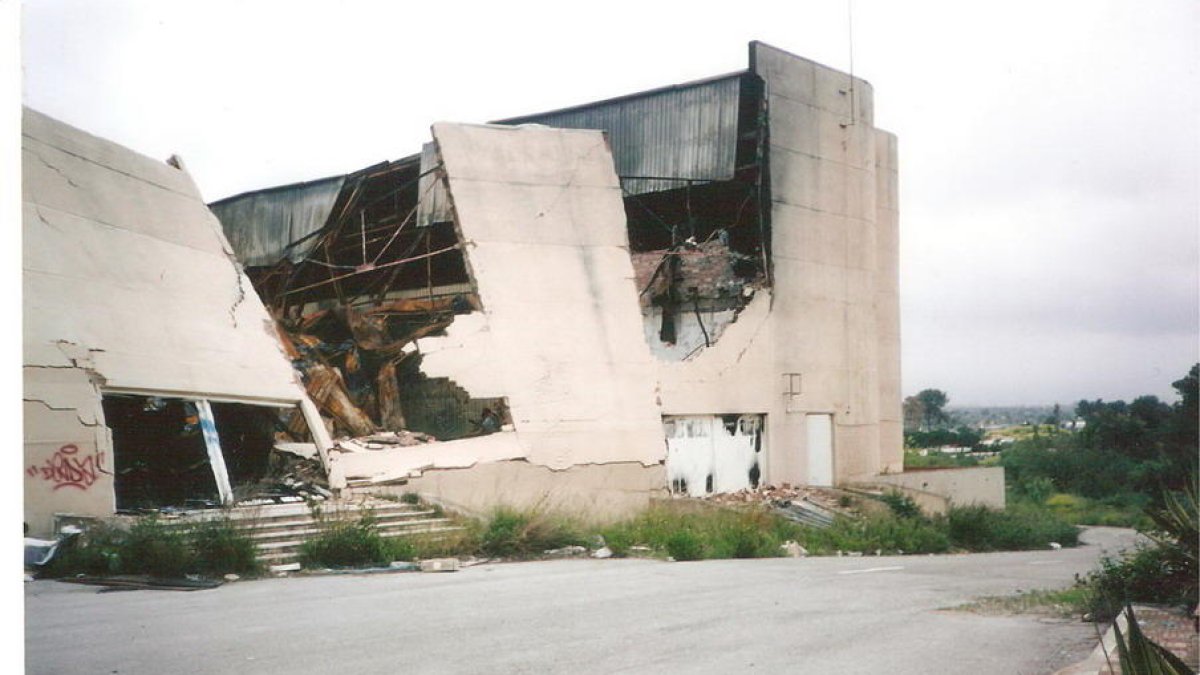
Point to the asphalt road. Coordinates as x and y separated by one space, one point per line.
812 615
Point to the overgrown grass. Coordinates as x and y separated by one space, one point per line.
344 542
513 533
159 549
689 531
220 548
1073 601
1126 510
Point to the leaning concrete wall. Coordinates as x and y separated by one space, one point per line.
826 248
129 285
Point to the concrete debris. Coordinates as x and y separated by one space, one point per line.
231 577
383 441
793 549
143 582
1055 545
284 568
440 565
301 450
567 552
640 552
602 553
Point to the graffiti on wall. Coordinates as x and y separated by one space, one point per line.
69 468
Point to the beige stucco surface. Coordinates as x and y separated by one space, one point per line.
834 317
543 223
128 284
593 492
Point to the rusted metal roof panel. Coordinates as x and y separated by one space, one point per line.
687 131
260 225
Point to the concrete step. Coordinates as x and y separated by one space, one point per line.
381 520
312 529
285 551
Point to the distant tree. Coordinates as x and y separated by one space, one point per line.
1055 418
933 404
914 413
1185 422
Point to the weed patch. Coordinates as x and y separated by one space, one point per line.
695 532
1066 602
511 533
346 543
158 549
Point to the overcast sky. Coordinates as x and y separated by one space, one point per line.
1049 151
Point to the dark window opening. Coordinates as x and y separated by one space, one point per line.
439 407
159 454
162 459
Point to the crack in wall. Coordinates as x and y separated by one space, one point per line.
53 168
91 425
241 290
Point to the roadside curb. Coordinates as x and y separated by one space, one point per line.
1097 663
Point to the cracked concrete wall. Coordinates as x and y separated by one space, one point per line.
129 284
541 214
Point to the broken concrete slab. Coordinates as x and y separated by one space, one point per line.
440 565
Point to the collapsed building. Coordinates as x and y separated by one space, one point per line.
687 290
691 289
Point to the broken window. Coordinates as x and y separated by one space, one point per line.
194 453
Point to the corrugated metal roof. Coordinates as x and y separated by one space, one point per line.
260 225
433 205
686 131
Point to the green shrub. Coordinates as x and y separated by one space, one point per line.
220 548
346 543
410 498
157 549
1162 573
1148 574
979 528
400 548
95 552
901 504
684 545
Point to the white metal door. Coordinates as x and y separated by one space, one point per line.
819 433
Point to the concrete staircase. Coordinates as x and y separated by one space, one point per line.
279 530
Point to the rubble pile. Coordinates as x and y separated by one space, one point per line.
289 478
350 357
383 441
809 505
